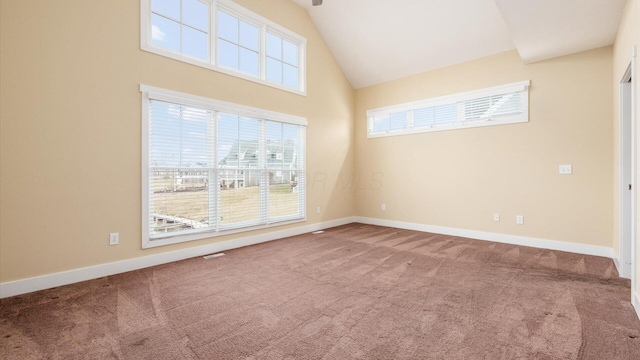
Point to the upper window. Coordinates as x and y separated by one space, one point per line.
498 105
223 36
211 167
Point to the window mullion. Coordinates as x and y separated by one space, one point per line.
263 52
213 32
213 181
181 29
460 117
410 119
264 174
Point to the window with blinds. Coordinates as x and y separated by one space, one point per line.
212 167
498 105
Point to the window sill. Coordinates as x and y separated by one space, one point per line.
177 239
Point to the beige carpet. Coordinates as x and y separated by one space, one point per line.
356 291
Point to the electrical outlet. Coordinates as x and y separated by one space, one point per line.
114 239
566 169
383 207
318 210
519 219
496 217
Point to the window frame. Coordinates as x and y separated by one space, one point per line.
522 87
154 93
264 25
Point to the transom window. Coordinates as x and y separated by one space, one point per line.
225 37
211 168
498 105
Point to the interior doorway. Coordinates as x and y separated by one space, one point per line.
627 175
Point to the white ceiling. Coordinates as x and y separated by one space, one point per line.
381 40
543 29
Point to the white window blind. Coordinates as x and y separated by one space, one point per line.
488 107
499 105
210 169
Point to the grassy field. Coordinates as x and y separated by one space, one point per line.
194 204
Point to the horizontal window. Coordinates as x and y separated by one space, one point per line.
225 37
498 105
212 168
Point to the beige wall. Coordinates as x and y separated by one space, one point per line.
628 36
70 137
460 178
70 128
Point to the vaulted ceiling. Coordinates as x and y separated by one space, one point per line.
381 40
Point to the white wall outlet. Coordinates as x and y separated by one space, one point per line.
566 170
383 207
496 217
318 210
114 239
519 219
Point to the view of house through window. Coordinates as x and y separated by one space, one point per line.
212 171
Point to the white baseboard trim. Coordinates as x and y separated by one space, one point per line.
37 283
495 237
635 301
616 262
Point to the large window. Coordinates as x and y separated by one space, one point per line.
498 105
212 167
223 36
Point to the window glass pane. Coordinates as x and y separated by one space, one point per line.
193 136
275 145
228 54
237 141
249 36
274 46
195 43
398 120
446 114
381 123
239 197
228 140
290 76
290 52
164 145
180 200
227 27
249 61
179 157
274 70
248 144
195 13
284 199
424 117
170 8
165 33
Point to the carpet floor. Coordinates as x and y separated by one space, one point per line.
354 292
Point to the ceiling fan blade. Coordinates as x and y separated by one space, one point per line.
316 2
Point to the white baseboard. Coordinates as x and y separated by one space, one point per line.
495 237
635 301
616 262
37 283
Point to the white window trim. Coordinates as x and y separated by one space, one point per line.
263 24
155 93
522 86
